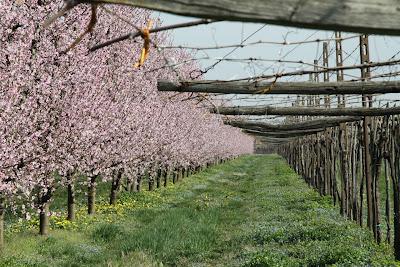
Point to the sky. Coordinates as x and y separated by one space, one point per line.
382 48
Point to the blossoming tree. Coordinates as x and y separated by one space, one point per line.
70 111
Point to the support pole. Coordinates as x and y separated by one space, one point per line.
327 104
367 102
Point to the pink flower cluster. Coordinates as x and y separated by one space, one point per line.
93 112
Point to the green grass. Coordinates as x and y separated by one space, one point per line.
252 211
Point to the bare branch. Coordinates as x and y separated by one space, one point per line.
136 34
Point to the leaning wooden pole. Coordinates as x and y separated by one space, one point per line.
372 16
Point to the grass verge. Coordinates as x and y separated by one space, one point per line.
252 211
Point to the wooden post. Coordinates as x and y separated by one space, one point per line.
387 180
319 152
360 165
354 168
342 129
327 104
346 196
395 174
367 102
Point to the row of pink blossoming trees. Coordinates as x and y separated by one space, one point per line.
93 113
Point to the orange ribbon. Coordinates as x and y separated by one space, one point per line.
267 89
146 45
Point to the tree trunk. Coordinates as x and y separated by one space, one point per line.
151 182
159 173
181 173
71 200
114 191
2 210
177 175
129 184
138 183
115 185
132 187
44 212
92 195
44 219
165 175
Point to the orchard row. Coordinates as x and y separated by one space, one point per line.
93 113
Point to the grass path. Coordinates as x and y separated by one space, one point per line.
252 211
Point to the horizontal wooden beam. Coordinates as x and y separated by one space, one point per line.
273 140
304 125
287 134
279 88
304 111
366 16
